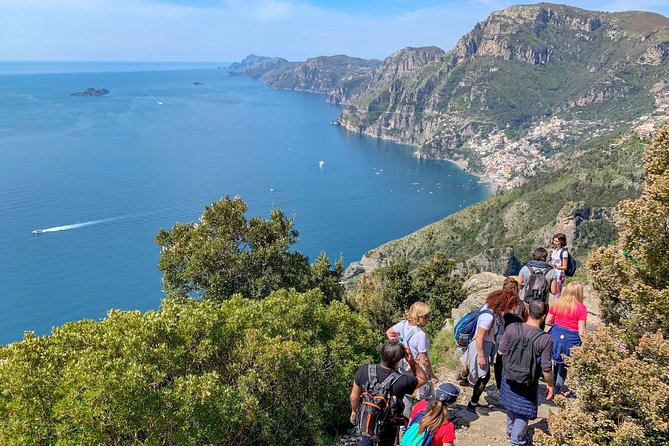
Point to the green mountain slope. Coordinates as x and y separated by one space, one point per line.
524 85
499 233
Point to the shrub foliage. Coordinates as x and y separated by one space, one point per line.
226 253
621 373
384 296
195 372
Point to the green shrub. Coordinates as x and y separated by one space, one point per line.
241 372
623 394
621 373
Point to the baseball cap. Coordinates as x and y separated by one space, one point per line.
447 393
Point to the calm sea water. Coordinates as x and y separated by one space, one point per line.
105 173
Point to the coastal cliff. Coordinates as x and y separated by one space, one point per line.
525 86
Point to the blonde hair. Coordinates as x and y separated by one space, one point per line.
435 415
417 310
570 297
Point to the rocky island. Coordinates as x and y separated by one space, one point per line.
91 92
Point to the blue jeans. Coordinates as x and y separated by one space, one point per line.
516 428
560 374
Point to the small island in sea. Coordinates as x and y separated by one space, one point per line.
91 92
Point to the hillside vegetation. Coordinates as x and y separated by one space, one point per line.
495 234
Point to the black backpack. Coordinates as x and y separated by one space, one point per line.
376 403
536 287
519 362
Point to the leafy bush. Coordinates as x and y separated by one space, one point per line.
623 394
225 253
241 372
384 296
621 374
632 276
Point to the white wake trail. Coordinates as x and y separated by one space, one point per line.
76 225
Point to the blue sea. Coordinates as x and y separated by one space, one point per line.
103 174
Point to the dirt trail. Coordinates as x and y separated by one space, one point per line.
488 426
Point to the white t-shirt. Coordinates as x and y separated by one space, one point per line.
485 321
556 258
418 342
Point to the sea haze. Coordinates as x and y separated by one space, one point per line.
103 174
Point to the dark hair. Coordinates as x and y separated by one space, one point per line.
392 352
503 301
537 309
540 254
563 239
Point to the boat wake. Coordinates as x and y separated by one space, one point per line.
75 226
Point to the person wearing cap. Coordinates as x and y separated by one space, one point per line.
435 416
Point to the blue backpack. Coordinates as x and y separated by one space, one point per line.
465 329
411 436
571 263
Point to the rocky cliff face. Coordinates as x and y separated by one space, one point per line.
256 66
520 88
320 74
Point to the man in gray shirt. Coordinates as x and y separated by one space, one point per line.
538 264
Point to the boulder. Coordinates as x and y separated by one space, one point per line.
477 288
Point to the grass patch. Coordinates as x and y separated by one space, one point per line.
442 349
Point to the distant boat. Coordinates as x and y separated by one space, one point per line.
38 231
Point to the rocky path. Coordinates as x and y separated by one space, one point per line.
488 426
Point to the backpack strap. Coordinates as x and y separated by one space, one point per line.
409 335
390 380
371 375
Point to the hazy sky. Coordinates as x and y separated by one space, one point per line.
226 30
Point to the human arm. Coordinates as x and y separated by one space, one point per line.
355 400
547 364
427 365
564 260
392 334
548 377
480 352
581 329
421 376
550 317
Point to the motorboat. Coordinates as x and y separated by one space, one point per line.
37 231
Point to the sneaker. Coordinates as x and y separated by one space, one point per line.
472 407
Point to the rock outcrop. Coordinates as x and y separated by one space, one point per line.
91 92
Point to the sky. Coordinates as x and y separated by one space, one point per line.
228 30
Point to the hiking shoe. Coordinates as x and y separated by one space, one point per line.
463 381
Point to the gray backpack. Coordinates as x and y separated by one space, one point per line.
537 286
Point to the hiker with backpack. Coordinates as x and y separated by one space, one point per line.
429 424
480 351
537 278
409 332
517 315
559 259
377 393
567 318
521 347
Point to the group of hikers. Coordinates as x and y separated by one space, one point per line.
516 335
